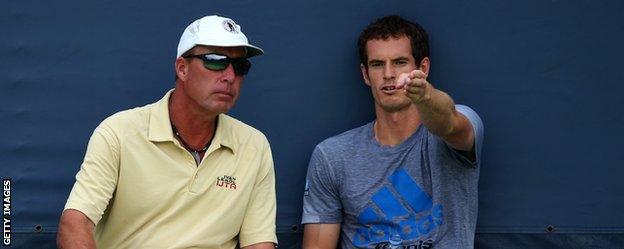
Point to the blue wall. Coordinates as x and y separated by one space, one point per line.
544 76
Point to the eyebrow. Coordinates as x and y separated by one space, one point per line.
402 58
375 61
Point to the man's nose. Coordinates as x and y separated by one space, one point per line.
229 74
388 72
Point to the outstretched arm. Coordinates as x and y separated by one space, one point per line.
437 111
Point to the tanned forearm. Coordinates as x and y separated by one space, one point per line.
75 231
437 112
440 117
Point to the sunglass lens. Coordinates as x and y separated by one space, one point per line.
216 65
217 62
241 66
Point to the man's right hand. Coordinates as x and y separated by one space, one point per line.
416 86
75 231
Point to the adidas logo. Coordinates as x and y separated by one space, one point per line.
401 207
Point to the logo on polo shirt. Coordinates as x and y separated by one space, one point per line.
226 181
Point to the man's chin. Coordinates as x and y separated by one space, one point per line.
394 107
219 108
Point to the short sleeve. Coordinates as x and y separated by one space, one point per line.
321 199
97 179
259 222
477 127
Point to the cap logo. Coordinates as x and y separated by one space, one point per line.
230 26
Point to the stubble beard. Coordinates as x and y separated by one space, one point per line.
394 105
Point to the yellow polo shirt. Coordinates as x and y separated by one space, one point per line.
142 189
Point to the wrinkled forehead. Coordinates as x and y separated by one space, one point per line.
232 52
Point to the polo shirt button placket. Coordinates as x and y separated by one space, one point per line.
193 183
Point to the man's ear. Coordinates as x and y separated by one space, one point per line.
365 74
425 64
181 68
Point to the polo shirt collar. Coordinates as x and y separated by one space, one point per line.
223 134
160 130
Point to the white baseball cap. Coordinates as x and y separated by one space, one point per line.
215 31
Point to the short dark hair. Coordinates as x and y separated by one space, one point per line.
396 27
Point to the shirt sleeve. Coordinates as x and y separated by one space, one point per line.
321 199
477 127
97 179
259 222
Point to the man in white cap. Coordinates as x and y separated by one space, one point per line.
179 173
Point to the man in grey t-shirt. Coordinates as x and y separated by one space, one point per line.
409 178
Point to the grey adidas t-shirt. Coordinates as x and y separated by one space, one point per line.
421 192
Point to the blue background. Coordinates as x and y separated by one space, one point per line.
544 76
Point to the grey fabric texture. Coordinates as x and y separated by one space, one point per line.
420 193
